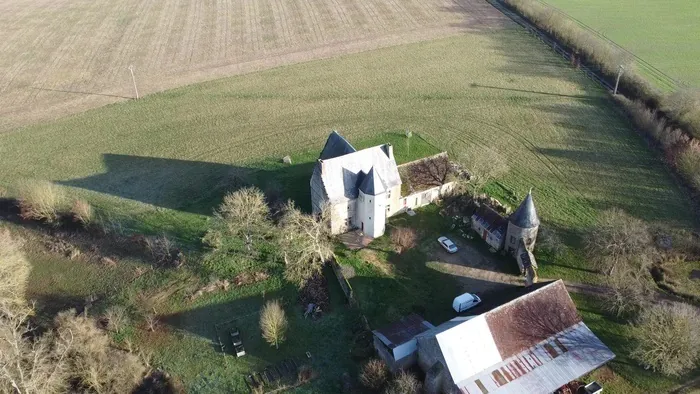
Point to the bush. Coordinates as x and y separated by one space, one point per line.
273 323
404 238
374 374
93 364
14 270
117 318
40 200
688 162
620 240
668 338
683 106
164 252
404 383
82 212
630 291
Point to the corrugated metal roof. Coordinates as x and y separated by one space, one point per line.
544 367
403 330
479 346
526 214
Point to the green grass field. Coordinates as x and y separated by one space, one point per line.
162 163
663 33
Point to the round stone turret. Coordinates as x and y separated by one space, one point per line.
522 225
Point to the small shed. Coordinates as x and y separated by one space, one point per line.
396 343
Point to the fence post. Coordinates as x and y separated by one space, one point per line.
617 81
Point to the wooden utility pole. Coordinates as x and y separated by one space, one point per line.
620 69
133 79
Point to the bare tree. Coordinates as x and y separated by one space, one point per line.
27 364
93 362
430 172
619 239
404 238
273 323
243 213
668 338
630 290
484 164
306 242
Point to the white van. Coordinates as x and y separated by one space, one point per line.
465 301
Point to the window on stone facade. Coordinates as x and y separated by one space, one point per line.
512 239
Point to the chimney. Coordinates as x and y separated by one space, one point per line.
322 165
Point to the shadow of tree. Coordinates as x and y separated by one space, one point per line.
194 186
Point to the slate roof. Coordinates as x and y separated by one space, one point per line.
343 175
402 331
516 346
526 214
372 184
492 220
336 146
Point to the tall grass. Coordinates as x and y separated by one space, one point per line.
41 200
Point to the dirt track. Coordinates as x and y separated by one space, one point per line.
66 56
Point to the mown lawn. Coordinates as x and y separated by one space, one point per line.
664 33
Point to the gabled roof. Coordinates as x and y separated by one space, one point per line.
526 214
503 340
343 175
336 146
372 184
492 220
402 331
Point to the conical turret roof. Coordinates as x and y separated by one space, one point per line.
526 214
372 184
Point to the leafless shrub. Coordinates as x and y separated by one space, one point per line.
117 318
40 200
30 364
668 338
404 383
374 374
684 107
93 363
82 212
404 238
430 172
306 243
619 239
484 164
629 291
164 251
243 213
688 162
273 323
14 270
152 321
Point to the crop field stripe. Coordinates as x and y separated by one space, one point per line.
281 23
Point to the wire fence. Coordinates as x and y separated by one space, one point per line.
644 66
661 79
